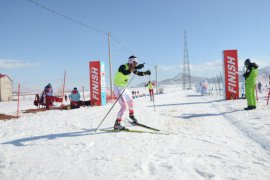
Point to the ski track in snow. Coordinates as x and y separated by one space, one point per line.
209 139
255 125
199 114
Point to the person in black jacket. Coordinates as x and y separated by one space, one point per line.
260 87
250 83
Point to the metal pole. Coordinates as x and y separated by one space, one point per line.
218 86
83 93
110 63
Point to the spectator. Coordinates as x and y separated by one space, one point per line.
250 83
74 98
46 97
48 90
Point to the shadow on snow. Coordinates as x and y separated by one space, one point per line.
189 116
85 132
186 103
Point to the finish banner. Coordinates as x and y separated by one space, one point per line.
231 74
97 83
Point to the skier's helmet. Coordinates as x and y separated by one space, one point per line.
132 59
247 62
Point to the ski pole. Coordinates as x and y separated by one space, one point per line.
115 102
154 102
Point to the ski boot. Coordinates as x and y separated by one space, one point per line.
134 120
250 108
118 126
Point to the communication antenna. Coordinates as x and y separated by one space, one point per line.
186 70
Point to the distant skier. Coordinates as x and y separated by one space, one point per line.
150 86
260 87
120 82
250 83
204 87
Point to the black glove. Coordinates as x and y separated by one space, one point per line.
148 72
140 66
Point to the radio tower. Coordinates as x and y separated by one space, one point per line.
186 71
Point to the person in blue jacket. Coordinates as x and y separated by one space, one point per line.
74 98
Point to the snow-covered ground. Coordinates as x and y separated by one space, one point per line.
202 137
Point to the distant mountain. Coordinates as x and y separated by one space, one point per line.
263 77
178 79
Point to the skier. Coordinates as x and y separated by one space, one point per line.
149 85
120 82
250 83
204 87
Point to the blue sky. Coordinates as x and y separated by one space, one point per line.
36 46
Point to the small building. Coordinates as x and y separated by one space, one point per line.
6 86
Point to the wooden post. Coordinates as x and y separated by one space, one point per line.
63 90
83 96
18 105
